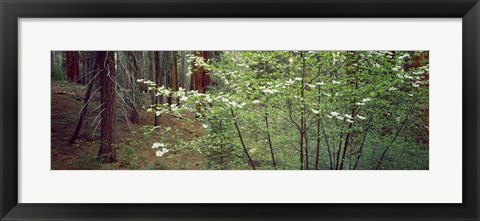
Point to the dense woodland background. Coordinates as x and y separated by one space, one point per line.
284 110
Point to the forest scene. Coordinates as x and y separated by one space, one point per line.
239 110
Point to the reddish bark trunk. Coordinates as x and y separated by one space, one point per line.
72 65
200 78
106 66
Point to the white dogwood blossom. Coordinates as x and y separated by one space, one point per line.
289 82
157 145
334 113
161 152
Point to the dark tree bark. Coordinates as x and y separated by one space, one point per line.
142 59
82 78
135 58
83 112
151 63
157 82
52 59
168 73
88 67
317 155
241 139
184 70
270 140
72 65
135 87
174 68
347 140
357 161
337 161
106 65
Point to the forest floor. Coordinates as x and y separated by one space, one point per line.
133 142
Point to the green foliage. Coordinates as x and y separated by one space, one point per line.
158 165
86 161
127 156
57 72
362 109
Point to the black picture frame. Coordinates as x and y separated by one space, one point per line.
12 10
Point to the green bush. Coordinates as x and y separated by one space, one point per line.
57 73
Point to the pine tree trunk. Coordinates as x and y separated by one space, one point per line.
168 73
184 70
72 65
173 63
106 66
151 73
136 103
200 79
157 82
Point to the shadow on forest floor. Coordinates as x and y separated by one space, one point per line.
133 142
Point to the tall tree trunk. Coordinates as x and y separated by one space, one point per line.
106 66
141 73
157 82
72 65
184 70
145 69
128 70
135 59
82 79
134 86
86 71
174 68
151 73
200 79
302 114
168 75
